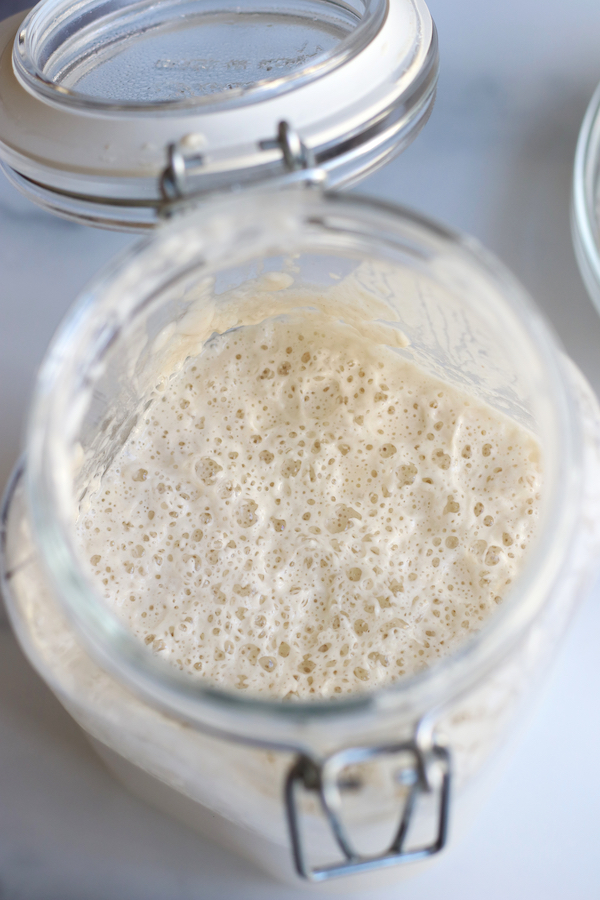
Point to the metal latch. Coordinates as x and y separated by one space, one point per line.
427 772
186 162
296 154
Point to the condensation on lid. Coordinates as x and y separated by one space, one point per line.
93 94
182 54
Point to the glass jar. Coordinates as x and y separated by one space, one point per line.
585 206
332 787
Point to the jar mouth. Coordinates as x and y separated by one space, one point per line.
585 206
111 55
108 305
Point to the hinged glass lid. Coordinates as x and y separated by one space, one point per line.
93 94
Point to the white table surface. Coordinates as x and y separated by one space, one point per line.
495 160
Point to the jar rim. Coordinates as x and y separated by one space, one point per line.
208 706
585 202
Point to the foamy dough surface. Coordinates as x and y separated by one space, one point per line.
304 512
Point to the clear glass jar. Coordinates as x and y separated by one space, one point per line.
585 205
303 789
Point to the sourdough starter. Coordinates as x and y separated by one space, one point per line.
302 511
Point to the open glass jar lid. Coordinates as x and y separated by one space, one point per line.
98 99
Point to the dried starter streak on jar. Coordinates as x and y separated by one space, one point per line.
305 512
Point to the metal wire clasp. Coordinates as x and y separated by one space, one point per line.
296 154
186 164
182 156
427 771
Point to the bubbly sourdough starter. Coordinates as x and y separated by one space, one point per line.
302 512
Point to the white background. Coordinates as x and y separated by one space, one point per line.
495 160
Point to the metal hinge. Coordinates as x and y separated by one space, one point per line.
424 771
185 161
296 154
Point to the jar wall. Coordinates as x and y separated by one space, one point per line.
128 330
186 773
